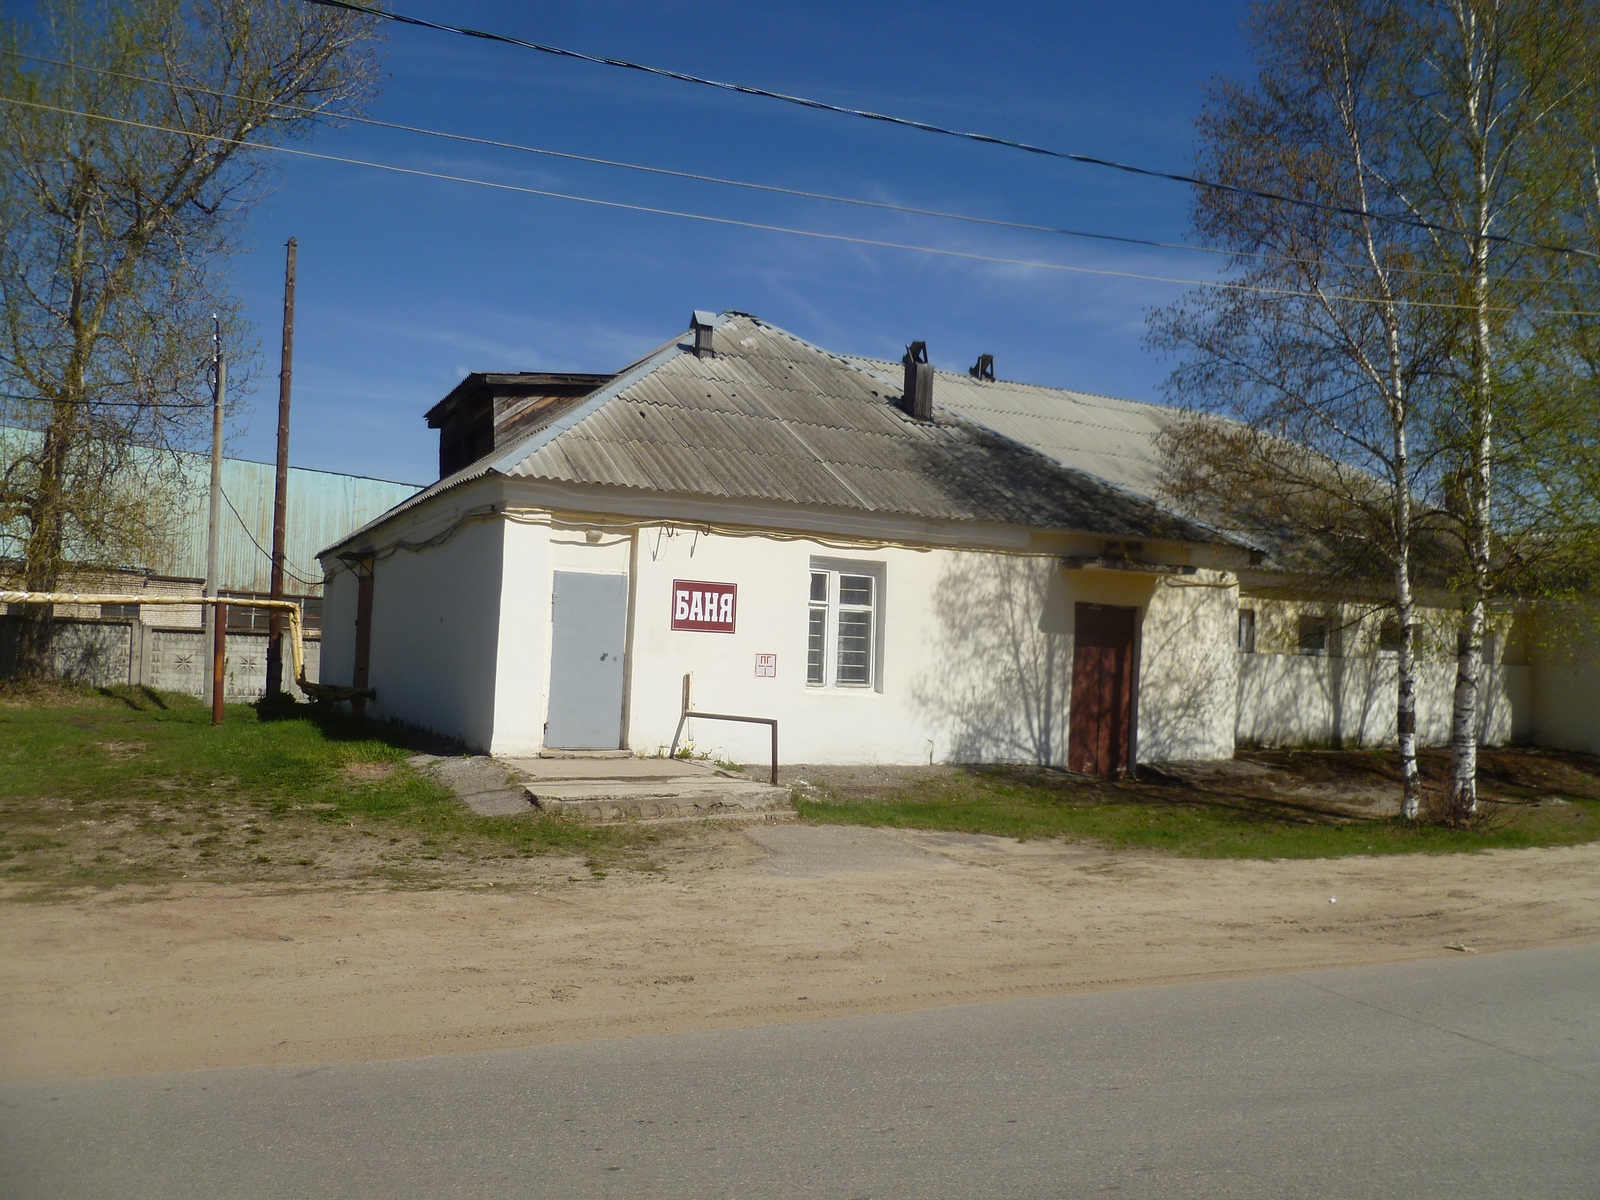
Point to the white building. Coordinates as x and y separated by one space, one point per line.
898 565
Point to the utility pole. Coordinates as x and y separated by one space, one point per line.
280 499
216 619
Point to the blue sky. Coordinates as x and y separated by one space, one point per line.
406 284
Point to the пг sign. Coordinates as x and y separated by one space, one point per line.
704 607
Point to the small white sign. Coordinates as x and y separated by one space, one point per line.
766 666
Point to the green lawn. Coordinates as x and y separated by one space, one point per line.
1540 800
128 784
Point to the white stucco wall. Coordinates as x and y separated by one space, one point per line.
522 659
435 633
1291 700
338 626
1566 688
975 650
1190 670
435 617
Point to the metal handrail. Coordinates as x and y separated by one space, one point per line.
688 712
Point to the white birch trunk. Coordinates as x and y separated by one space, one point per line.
1463 790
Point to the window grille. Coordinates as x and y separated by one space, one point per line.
842 629
1247 631
246 620
817 632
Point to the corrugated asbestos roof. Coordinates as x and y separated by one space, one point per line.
1109 438
771 417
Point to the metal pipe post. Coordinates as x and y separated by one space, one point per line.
280 499
219 646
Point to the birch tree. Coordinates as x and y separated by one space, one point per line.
128 168
1332 334
1490 77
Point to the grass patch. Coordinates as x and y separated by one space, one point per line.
1295 805
121 784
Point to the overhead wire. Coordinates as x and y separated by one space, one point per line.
777 189
267 554
106 403
770 228
968 135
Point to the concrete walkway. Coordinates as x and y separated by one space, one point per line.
610 787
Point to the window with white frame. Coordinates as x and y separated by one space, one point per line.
842 629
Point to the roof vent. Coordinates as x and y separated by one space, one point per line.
918 399
983 368
702 323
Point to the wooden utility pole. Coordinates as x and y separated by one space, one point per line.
217 627
280 500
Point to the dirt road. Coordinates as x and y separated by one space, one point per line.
777 923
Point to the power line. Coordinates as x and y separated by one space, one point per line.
106 403
243 525
739 183
925 127
630 166
763 227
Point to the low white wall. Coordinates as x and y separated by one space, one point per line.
110 653
1566 691
1289 700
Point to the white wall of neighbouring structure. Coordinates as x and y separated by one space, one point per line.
1566 683
1293 700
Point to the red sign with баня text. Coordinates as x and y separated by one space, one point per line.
704 607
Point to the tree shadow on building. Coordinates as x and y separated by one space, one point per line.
1000 672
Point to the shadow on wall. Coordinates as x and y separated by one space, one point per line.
88 652
1188 676
1290 700
1001 673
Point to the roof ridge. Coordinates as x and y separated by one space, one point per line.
1038 387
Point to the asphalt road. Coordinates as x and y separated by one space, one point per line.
1465 1077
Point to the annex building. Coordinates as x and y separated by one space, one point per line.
898 564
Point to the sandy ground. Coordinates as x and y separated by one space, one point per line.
740 927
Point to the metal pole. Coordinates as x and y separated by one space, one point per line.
216 625
280 500
219 638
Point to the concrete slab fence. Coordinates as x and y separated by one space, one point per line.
104 652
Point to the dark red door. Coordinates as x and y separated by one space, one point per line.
1100 725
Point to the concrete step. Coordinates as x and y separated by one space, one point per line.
612 800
